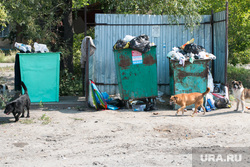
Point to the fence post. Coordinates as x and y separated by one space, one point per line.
226 44
87 71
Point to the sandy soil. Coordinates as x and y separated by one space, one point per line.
72 138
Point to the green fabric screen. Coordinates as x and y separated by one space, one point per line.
40 73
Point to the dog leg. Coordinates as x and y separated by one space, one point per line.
28 112
181 109
195 111
243 106
184 110
17 117
22 113
203 109
196 108
237 105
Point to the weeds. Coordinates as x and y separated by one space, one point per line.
27 121
238 73
41 104
6 69
46 119
3 99
7 57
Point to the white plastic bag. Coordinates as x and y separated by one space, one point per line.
210 82
40 47
23 47
128 38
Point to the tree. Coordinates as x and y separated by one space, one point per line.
176 8
3 16
238 28
44 21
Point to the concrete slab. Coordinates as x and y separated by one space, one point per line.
64 102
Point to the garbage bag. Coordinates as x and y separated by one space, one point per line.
140 43
121 44
193 48
40 48
23 48
222 103
117 102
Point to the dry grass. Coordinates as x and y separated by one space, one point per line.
7 57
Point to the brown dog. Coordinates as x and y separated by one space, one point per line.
186 99
240 94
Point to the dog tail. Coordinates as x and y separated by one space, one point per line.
24 87
207 91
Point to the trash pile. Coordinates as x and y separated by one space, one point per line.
38 48
189 51
140 43
100 100
216 99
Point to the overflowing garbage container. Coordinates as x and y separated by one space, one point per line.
193 77
189 69
136 73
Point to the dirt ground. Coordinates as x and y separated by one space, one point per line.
72 138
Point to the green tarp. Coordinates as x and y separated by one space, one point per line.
40 73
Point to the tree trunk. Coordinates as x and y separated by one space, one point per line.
68 35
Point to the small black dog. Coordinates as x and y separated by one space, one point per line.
17 106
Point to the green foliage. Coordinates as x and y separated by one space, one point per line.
27 121
79 3
41 104
176 8
3 16
238 73
77 48
70 84
46 119
238 28
7 56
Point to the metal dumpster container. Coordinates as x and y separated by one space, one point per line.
40 73
136 73
189 78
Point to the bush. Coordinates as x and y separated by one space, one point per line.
7 56
238 73
70 84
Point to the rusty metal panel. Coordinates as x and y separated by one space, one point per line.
189 78
112 27
136 73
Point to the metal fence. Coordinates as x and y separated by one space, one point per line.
111 27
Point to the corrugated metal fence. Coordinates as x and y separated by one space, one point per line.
111 27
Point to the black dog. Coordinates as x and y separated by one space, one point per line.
17 106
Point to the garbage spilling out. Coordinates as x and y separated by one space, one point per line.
38 48
101 100
140 43
189 51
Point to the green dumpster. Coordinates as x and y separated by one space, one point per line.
40 73
188 78
136 73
